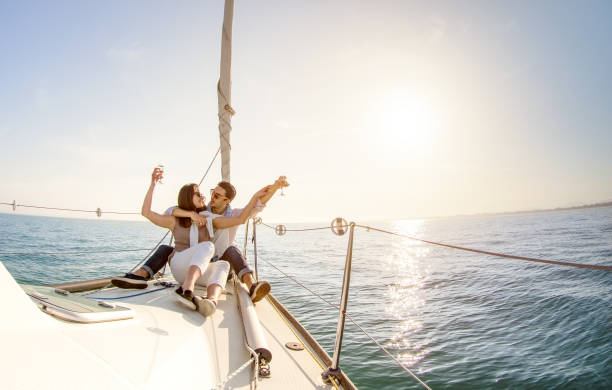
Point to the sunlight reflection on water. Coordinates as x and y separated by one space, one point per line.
405 295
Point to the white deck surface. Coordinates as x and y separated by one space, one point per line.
164 346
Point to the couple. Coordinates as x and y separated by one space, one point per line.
192 225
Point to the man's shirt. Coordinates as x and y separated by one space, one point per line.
223 238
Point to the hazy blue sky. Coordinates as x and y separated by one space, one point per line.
374 110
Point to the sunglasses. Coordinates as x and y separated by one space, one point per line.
214 194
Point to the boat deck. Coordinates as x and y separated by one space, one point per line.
165 344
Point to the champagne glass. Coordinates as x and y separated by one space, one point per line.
283 187
161 168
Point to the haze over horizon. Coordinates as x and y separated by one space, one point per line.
393 110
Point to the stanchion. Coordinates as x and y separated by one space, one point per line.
334 370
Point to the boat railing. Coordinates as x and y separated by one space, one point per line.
339 226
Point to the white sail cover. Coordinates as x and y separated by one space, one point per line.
224 92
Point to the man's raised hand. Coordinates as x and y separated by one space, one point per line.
281 182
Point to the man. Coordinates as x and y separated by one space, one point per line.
226 249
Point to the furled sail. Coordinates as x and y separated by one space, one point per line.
224 93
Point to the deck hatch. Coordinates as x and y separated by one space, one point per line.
75 308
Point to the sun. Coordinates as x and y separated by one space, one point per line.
406 121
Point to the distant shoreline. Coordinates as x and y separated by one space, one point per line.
585 206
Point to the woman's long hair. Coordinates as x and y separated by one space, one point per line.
185 202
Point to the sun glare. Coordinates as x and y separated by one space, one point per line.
408 122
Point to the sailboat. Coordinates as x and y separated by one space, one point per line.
87 335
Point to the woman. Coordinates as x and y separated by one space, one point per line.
189 262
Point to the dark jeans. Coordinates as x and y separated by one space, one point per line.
232 255
158 260
239 265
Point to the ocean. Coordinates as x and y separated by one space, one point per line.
459 320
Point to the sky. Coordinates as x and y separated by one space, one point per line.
373 110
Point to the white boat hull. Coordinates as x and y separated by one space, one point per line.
164 345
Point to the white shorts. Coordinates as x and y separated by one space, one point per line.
200 255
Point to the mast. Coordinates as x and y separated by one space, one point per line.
224 92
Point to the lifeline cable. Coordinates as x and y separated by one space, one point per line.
64 209
523 258
73 252
353 321
578 265
298 230
99 211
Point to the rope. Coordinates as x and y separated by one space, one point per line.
523 258
353 321
210 165
590 266
254 355
233 374
72 252
130 296
64 209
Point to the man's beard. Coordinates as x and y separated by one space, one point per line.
215 210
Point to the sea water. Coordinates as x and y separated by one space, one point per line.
458 320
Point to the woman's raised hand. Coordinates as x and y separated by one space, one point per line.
157 175
198 219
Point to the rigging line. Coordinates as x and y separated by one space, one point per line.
307 348
296 230
352 320
73 252
300 284
388 354
151 251
578 265
64 209
210 165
